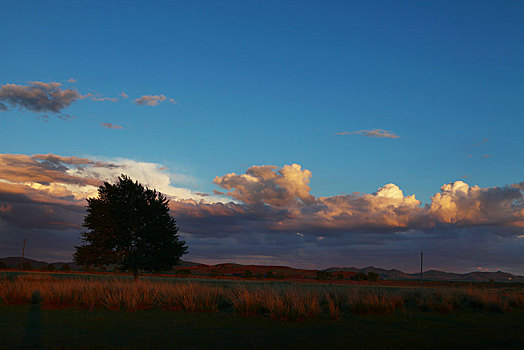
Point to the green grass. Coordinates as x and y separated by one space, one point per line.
31 326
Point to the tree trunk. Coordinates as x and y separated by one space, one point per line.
135 275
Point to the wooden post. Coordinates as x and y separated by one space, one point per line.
421 263
22 258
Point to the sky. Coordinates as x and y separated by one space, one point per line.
302 133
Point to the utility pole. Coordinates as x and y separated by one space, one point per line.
421 263
22 258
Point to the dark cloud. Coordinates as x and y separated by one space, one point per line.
38 97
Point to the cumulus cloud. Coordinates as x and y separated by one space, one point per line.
371 133
459 203
282 198
258 213
111 126
264 185
123 94
152 100
38 97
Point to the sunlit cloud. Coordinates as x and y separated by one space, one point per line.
371 133
99 98
152 100
266 211
123 95
111 126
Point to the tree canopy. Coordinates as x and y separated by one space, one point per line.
129 225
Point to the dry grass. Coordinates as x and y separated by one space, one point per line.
276 302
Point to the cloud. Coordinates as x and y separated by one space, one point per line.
99 98
111 126
152 100
4 208
123 94
264 185
279 200
259 213
38 97
47 192
484 140
461 204
371 133
71 80
45 169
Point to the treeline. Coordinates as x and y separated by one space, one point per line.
26 266
339 275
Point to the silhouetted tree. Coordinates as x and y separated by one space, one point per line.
130 226
66 267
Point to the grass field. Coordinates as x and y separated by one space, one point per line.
71 312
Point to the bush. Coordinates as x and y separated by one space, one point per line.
359 276
270 274
51 267
25 266
66 267
184 272
373 276
247 274
3 266
324 275
215 273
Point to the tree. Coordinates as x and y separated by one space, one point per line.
130 226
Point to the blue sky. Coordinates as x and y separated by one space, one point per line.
270 83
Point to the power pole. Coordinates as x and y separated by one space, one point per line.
22 258
421 263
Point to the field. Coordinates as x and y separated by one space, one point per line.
82 311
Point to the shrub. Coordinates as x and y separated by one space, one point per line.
3 266
25 266
359 276
184 272
324 275
372 276
66 267
51 267
247 274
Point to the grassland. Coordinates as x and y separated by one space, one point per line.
118 313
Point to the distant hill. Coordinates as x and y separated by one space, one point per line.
12 262
435 275
238 269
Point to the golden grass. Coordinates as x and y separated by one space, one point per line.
277 302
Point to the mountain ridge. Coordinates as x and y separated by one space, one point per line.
386 274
